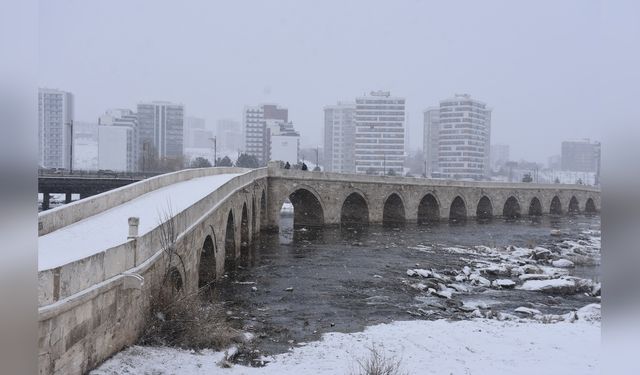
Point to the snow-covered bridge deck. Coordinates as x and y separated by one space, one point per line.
107 229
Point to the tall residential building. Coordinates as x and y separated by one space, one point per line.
196 134
284 142
499 155
256 134
580 156
339 138
118 140
464 138
431 138
160 131
229 135
55 128
379 137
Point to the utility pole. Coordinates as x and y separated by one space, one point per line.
71 149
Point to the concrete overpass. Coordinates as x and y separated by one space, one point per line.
101 258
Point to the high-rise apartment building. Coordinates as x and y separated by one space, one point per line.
118 144
255 128
55 128
379 136
160 131
339 138
580 156
464 138
431 137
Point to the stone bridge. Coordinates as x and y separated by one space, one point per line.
102 258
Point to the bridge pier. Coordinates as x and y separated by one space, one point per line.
67 198
46 201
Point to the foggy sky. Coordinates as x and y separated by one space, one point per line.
537 64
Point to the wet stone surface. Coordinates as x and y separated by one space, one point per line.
302 283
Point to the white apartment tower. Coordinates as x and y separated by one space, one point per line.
464 139
339 138
118 140
55 128
256 131
379 136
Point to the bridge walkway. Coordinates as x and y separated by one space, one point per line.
110 228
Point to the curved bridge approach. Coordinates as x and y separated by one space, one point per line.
101 258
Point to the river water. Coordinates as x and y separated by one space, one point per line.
301 283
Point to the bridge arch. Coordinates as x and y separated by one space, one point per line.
590 206
556 206
244 233
175 279
458 210
428 209
230 243
574 205
535 207
207 264
307 207
484 210
393 210
355 209
511 209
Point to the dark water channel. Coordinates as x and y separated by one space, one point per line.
302 283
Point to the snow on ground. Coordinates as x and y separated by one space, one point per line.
424 347
110 228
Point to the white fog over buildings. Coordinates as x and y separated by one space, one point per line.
339 137
430 140
499 156
257 136
55 128
464 138
379 136
160 130
554 162
229 136
196 134
118 140
580 155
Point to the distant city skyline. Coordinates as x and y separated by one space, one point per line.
541 81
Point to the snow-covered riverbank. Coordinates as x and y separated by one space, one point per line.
478 346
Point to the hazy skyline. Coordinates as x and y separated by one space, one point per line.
536 64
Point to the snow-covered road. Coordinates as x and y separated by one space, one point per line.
110 228
422 347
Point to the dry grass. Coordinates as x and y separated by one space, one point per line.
187 322
377 363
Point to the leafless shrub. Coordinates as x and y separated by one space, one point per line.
187 322
177 318
378 363
168 236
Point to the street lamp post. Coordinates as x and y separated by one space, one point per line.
215 151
